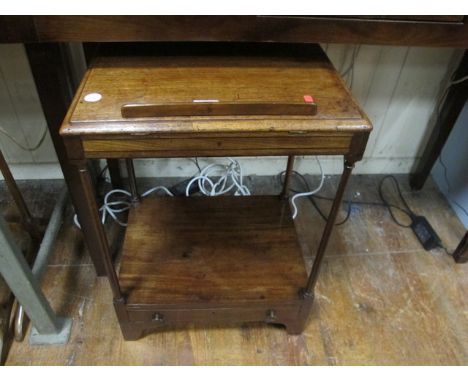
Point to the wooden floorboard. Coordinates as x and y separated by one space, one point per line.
381 299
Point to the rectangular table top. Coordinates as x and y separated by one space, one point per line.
250 76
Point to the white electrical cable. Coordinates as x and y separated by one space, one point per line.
151 190
230 178
308 193
119 206
111 207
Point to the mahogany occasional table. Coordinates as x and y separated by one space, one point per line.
225 259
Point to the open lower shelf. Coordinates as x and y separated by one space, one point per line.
203 250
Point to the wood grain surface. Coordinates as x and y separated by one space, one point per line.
381 299
252 75
207 107
171 147
393 30
202 250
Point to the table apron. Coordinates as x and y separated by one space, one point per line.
332 144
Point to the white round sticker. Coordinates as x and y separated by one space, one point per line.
92 97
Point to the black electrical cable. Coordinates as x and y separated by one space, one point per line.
100 177
311 197
195 160
408 211
314 203
324 217
384 202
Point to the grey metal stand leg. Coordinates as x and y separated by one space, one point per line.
39 267
48 328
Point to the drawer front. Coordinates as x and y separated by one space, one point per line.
163 317
332 144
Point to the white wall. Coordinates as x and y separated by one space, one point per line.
20 111
455 158
398 87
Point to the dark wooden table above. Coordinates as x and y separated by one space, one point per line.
391 30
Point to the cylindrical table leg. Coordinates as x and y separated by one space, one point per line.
287 176
309 288
93 231
114 172
132 180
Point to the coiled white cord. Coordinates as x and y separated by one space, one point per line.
119 206
230 178
308 193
